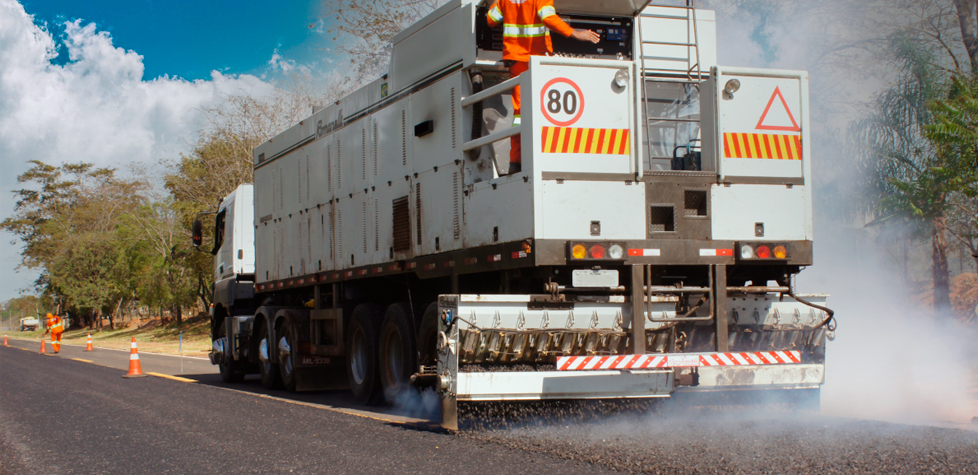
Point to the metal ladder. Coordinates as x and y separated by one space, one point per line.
693 75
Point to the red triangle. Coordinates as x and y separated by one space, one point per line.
760 123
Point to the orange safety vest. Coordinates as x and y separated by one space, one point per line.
526 25
54 324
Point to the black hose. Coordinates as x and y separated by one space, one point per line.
828 322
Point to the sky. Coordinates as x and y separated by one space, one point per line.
114 82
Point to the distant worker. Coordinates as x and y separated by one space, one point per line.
55 327
526 25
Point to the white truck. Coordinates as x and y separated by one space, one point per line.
646 248
29 324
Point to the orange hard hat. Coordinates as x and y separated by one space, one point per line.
50 316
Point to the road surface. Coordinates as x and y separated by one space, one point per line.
98 422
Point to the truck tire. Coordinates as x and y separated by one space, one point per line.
428 336
229 368
286 355
266 363
361 354
398 352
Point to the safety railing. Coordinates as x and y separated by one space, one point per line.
496 90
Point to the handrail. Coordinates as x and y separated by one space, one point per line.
492 91
488 139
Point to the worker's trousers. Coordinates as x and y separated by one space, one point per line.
515 155
56 341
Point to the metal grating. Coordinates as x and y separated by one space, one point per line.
376 161
402 224
309 240
364 221
403 139
329 169
339 236
662 219
695 203
377 225
339 166
363 151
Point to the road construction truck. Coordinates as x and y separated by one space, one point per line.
647 247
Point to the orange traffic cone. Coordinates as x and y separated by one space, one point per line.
5 341
88 347
43 350
135 369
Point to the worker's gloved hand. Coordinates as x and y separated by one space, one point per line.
585 35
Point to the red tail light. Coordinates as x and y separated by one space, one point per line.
763 252
597 251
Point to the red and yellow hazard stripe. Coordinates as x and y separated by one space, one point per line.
584 140
775 146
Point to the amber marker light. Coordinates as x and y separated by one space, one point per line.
579 252
780 252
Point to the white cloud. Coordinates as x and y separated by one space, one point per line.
277 62
96 108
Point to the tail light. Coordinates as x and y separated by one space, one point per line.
756 251
595 250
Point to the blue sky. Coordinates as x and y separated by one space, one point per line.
189 39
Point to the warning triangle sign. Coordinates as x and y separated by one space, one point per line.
780 117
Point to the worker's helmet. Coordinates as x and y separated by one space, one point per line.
50 316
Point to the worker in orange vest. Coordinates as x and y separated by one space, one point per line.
526 32
56 328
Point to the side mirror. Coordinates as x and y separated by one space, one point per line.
198 233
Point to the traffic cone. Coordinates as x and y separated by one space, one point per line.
88 347
135 369
5 341
43 350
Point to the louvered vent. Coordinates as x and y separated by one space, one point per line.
328 233
403 139
402 224
339 236
364 227
377 225
455 224
453 121
339 166
363 151
308 191
298 179
417 206
274 189
329 169
281 189
309 240
376 161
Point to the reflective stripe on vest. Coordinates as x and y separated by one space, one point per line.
495 15
546 11
524 31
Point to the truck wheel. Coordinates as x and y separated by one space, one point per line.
428 336
286 355
361 354
398 351
228 367
266 366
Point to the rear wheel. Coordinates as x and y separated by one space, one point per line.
428 336
266 365
361 354
229 368
398 351
286 355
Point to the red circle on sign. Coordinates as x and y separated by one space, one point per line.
543 102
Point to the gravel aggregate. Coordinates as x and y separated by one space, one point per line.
663 439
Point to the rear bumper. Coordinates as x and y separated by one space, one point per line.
792 376
537 385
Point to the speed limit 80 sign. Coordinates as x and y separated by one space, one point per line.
562 101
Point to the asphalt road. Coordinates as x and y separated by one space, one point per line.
61 416
101 423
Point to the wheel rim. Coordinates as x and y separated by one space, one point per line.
358 357
394 357
263 352
285 356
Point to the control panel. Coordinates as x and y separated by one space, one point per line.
615 33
